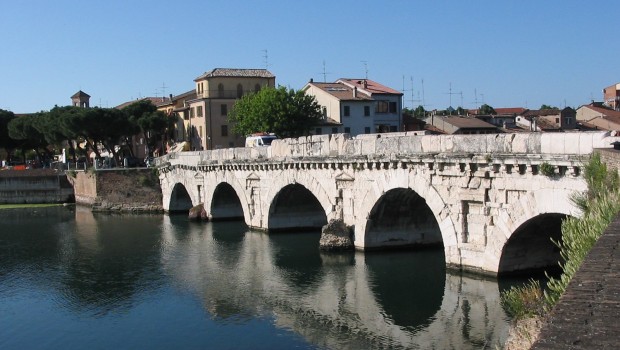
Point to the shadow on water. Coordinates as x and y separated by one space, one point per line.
297 255
401 279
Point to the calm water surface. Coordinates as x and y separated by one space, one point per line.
71 279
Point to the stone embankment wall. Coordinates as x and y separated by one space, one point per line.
611 157
125 190
34 186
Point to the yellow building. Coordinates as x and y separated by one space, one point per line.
216 93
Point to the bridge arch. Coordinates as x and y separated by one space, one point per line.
410 183
514 244
225 203
402 218
180 199
307 185
295 207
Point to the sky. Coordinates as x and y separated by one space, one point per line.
440 53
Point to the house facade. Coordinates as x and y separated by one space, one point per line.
177 107
611 96
356 106
216 93
548 120
596 116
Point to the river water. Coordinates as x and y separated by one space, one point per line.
71 279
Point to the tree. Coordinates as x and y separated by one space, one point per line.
149 121
285 112
485 109
24 130
544 106
419 112
6 142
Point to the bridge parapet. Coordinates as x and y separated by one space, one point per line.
551 146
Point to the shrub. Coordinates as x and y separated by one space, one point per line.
547 169
524 301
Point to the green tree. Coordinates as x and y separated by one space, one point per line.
152 123
419 112
6 142
486 109
544 106
24 130
285 112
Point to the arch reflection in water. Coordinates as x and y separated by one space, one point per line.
348 300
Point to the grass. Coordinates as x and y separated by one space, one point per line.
28 205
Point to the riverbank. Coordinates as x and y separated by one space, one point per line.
118 190
29 205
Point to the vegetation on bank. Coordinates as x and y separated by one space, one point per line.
600 204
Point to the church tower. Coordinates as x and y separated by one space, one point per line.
80 99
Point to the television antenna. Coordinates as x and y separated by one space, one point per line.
450 93
325 73
266 58
365 68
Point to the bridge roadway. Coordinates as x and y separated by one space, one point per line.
491 201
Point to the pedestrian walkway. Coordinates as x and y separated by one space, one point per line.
588 314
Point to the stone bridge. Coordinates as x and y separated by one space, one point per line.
491 201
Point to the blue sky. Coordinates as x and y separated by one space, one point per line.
503 53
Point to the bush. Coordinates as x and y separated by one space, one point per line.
547 169
524 301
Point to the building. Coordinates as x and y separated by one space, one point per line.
548 120
459 125
356 106
80 99
177 107
611 96
597 116
216 93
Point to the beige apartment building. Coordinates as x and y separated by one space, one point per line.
216 93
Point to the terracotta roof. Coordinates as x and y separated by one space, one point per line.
80 94
464 122
371 86
236 73
341 91
540 112
510 110
154 100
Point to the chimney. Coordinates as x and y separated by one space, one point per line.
365 84
170 97
355 92
311 80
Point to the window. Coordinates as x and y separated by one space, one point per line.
220 90
557 120
239 90
224 109
347 130
324 112
392 107
334 130
382 107
200 131
366 111
199 111
191 112
257 88
367 130
224 130
347 111
318 131
568 120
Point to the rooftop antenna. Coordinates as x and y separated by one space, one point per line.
365 68
476 99
266 58
450 93
163 89
324 73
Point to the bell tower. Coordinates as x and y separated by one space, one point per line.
80 99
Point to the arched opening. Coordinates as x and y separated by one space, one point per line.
226 204
180 201
296 208
530 249
401 218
